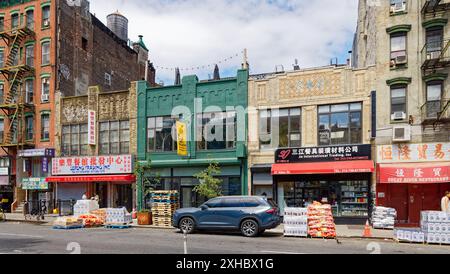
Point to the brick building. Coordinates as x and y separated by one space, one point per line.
52 48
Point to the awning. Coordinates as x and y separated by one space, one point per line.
324 168
414 173
96 178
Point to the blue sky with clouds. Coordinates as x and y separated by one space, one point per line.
196 33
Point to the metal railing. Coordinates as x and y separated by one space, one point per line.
436 54
435 111
65 207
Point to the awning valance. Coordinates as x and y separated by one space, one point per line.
324 168
96 178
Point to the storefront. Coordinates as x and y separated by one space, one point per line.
6 190
412 178
109 177
336 175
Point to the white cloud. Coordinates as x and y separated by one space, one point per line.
189 33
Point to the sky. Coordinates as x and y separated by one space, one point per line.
192 34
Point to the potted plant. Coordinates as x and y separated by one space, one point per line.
144 217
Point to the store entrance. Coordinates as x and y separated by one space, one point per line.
101 189
190 198
123 196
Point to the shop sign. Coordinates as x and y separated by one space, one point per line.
182 139
120 164
34 184
4 171
323 154
4 180
91 129
403 153
414 175
44 165
43 152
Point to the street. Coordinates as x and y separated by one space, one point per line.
22 238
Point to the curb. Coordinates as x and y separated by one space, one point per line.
26 221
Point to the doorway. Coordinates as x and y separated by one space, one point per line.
123 196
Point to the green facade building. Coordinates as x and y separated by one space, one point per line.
209 109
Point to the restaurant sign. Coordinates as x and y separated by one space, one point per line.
323 154
95 165
403 153
34 184
398 174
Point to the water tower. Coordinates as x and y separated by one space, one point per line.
118 24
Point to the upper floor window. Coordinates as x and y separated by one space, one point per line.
2 23
398 49
29 55
107 79
2 58
2 130
45 16
434 97
398 6
15 21
45 126
29 130
29 91
45 90
114 137
434 42
398 103
216 130
30 19
340 124
46 53
2 92
160 132
280 128
75 140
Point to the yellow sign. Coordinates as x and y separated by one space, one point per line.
182 139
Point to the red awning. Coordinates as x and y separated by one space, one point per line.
96 178
324 168
414 173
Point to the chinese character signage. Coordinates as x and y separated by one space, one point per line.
182 139
402 153
323 154
34 184
414 174
44 165
91 127
44 152
95 165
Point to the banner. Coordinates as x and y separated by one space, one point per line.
404 153
34 184
414 174
91 127
95 165
182 139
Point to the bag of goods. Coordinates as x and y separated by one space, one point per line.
320 221
90 220
101 214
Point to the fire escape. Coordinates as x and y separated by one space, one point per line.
435 59
13 104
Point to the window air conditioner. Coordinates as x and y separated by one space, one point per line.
45 98
401 133
46 23
398 7
433 55
400 115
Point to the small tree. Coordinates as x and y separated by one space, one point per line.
209 186
148 184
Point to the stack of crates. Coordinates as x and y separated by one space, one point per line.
164 204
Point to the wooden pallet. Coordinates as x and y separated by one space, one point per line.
60 227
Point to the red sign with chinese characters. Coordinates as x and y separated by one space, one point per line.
414 173
94 165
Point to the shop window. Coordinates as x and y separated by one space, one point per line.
2 92
434 42
75 140
340 124
29 91
114 137
45 16
216 130
45 126
30 19
2 130
45 53
398 103
280 128
398 49
15 21
160 132
45 91
434 96
29 134
29 55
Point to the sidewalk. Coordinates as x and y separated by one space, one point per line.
18 217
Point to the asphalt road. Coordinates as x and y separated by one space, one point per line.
24 238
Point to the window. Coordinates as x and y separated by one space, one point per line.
2 23
434 38
45 91
46 17
29 55
45 126
340 124
75 140
114 137
2 92
2 130
288 123
107 79
15 21
30 19
159 134
232 202
434 94
29 87
216 130
398 49
2 58
398 102
29 134
398 6
45 53
84 43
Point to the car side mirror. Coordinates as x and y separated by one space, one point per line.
204 207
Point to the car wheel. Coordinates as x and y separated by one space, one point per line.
249 228
187 225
